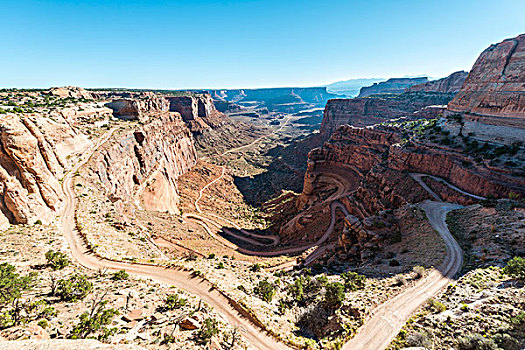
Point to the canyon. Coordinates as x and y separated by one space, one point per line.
278 234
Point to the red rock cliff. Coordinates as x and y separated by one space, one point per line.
450 84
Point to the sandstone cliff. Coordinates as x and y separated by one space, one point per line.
139 108
70 91
143 164
378 166
370 111
34 151
198 111
492 100
391 86
450 84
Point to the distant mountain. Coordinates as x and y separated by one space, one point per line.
351 87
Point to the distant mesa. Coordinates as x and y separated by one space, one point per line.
69 91
391 86
452 83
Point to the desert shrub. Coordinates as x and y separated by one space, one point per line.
353 281
419 271
211 256
12 284
120 276
77 287
334 294
95 321
173 301
476 342
313 320
515 268
56 260
419 339
208 330
220 265
264 290
436 306
296 290
255 268
43 323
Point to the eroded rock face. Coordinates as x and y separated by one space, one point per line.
391 86
198 112
143 165
33 155
380 168
450 84
494 91
140 108
370 111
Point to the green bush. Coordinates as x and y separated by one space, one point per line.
436 306
77 287
208 330
173 301
515 268
255 268
476 342
353 281
264 290
56 260
12 284
94 322
120 276
334 294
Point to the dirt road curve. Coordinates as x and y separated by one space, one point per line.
257 338
389 318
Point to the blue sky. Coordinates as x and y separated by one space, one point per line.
229 44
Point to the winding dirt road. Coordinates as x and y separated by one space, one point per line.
257 338
389 317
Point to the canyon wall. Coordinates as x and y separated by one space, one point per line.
198 111
34 152
380 166
139 108
372 110
492 100
142 165
391 86
451 84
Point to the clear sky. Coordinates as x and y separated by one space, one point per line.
249 43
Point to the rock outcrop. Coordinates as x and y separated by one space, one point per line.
141 108
142 165
492 100
370 111
450 84
198 111
391 86
34 152
70 91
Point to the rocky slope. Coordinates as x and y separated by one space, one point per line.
139 108
450 84
492 100
370 111
391 86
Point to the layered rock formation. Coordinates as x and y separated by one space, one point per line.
450 84
34 152
380 167
370 111
492 100
142 165
391 86
142 108
198 111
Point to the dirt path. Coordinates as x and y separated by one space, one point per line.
257 338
